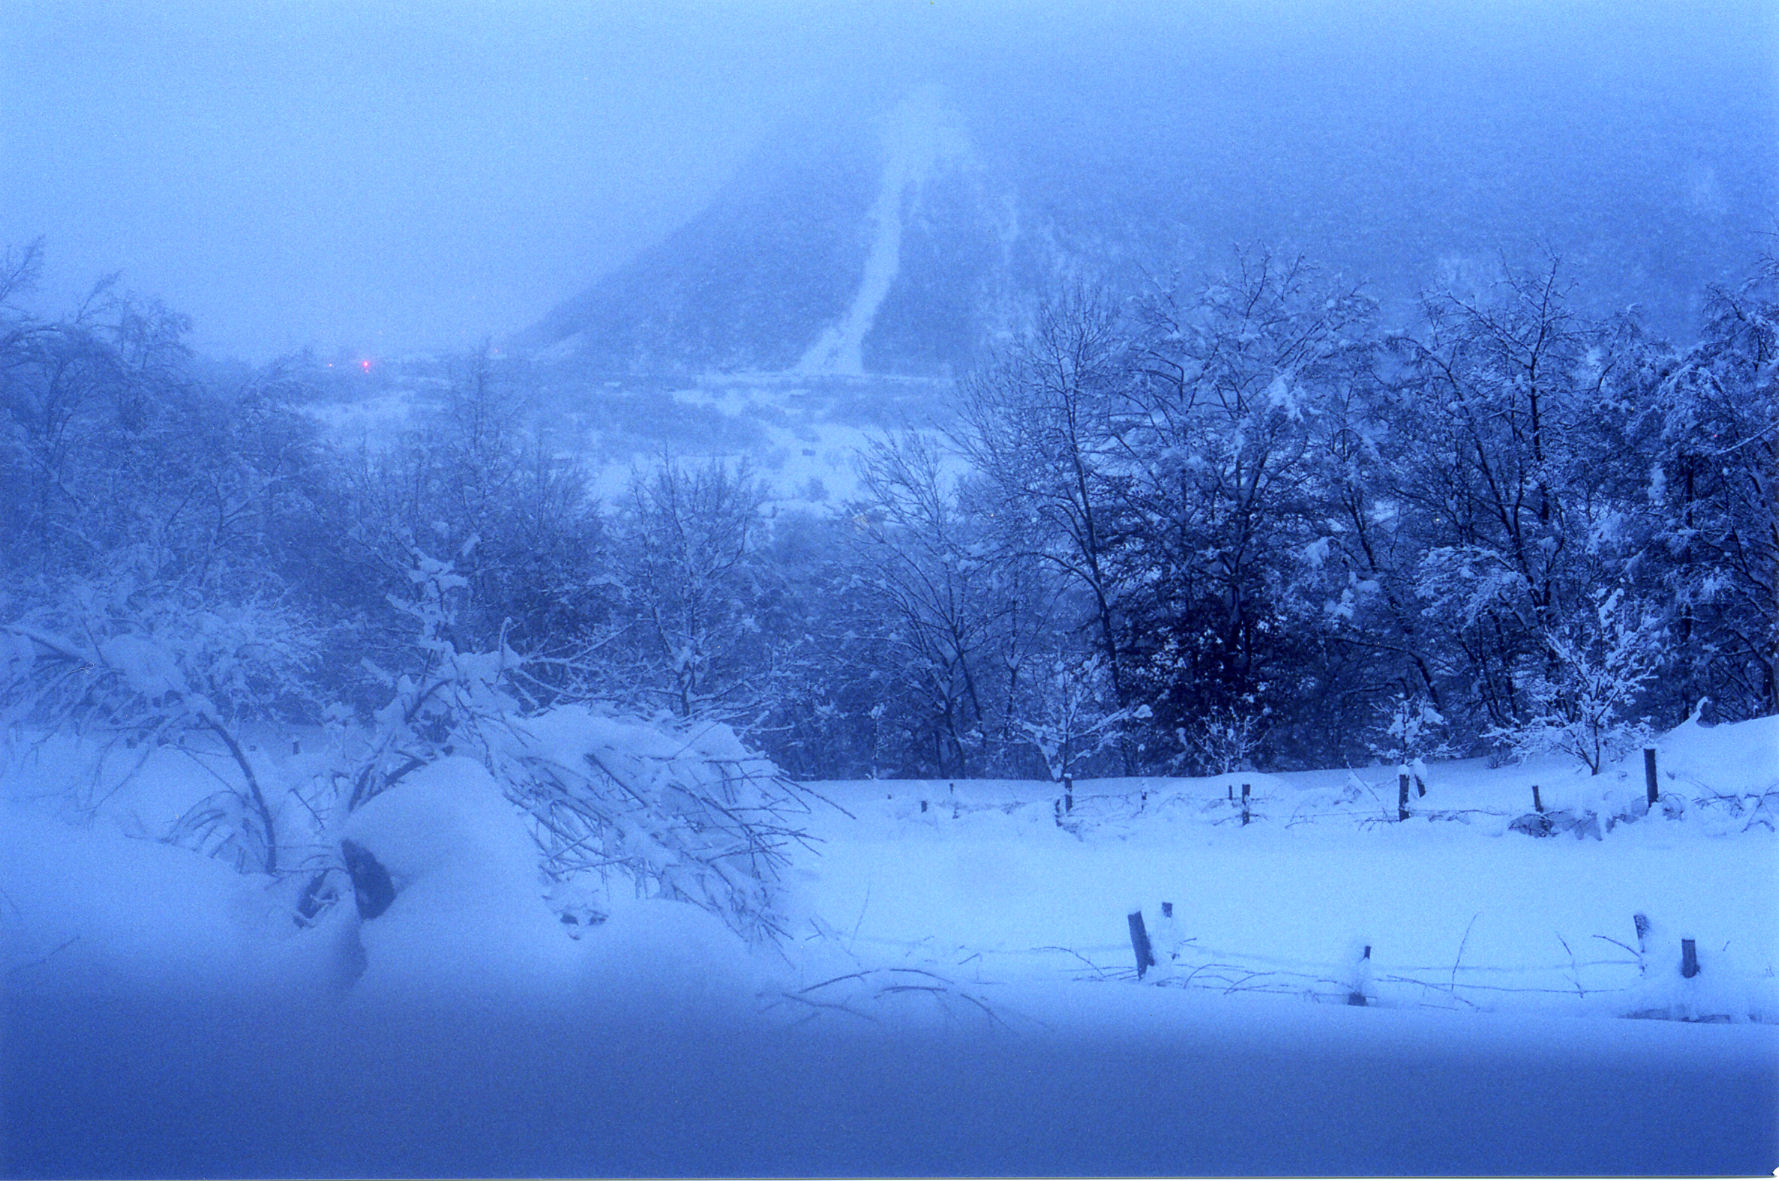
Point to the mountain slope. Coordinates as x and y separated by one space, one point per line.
902 243
864 247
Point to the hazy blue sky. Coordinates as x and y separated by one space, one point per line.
374 173
387 176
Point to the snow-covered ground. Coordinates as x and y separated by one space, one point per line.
800 431
955 993
1460 911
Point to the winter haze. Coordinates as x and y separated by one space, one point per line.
403 177
782 589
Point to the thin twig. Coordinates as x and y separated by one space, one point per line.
1452 986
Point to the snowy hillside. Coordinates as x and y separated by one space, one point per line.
879 246
904 240
954 991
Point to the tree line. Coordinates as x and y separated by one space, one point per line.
1196 528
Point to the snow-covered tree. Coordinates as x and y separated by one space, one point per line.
1510 414
1220 438
927 568
1039 424
1710 463
687 558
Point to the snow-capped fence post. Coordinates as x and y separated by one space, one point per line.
1139 943
1402 796
1689 958
1244 804
1649 785
1361 978
1641 922
1068 794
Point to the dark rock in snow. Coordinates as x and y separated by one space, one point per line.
370 881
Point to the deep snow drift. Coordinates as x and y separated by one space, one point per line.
955 993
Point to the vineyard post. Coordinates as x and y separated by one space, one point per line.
1139 943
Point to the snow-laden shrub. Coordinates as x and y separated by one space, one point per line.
1580 695
677 810
148 667
1074 715
1410 733
1222 742
663 808
442 698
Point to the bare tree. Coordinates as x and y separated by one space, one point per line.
687 555
1041 425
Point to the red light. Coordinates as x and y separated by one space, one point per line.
365 365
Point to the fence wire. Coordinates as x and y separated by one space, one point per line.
1195 966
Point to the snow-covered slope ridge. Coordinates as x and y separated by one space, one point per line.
920 137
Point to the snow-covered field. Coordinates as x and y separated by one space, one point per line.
955 992
800 431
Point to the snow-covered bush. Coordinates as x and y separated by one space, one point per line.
1222 741
1077 717
1580 697
677 810
442 698
148 667
661 808
1410 733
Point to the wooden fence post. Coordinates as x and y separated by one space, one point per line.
1537 803
1068 793
1402 796
1641 922
1360 978
1649 786
1244 804
1689 958
1139 943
